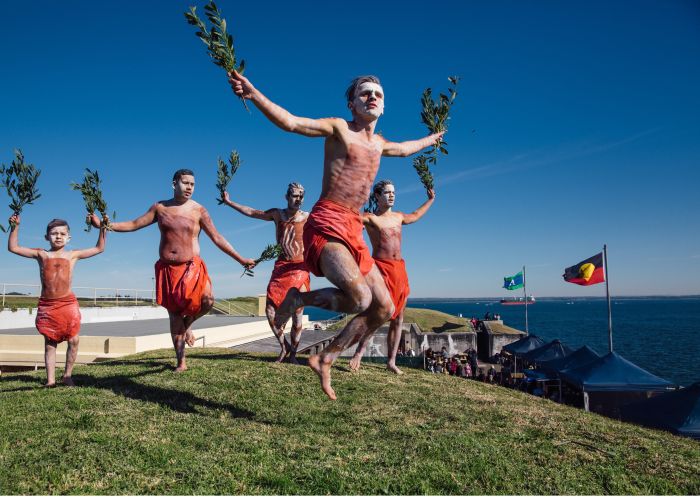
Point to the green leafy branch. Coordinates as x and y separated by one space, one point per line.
436 114
271 252
19 179
217 39
420 164
92 195
224 174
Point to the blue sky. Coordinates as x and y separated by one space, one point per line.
576 124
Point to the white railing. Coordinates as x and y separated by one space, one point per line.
111 296
231 308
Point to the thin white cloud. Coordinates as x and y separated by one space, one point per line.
530 160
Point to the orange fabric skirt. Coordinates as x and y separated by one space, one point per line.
330 221
396 279
285 275
179 287
58 319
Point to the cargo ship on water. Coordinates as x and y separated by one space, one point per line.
518 300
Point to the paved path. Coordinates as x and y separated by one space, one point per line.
272 346
143 327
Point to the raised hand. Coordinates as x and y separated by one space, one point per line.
92 218
240 85
14 220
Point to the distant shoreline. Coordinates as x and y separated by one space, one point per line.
539 299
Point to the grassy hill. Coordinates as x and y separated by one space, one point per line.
239 423
429 320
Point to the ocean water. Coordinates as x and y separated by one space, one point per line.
661 335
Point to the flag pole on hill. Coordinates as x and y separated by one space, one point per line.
525 295
607 292
590 272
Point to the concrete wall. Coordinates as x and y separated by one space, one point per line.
23 319
17 350
455 343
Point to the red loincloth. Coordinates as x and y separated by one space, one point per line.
179 287
396 279
330 221
285 275
58 319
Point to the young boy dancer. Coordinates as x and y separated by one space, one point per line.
58 315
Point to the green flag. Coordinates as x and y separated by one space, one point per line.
513 282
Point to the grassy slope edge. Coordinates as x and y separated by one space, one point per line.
239 423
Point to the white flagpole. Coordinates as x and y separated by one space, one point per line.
607 292
525 293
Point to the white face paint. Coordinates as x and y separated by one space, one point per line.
386 199
369 99
295 198
58 237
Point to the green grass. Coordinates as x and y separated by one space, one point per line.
249 304
428 320
237 423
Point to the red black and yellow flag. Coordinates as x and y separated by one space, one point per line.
588 272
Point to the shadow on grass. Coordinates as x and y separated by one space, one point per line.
239 356
176 400
39 382
447 327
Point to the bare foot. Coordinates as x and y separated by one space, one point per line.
68 381
393 368
189 338
180 369
287 308
355 362
324 373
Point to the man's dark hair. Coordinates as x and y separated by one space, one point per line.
377 190
350 92
182 172
55 223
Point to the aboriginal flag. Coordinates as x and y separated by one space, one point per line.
588 272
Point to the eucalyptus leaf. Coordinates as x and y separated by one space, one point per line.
91 191
20 179
219 42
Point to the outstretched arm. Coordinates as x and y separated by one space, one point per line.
420 211
249 211
208 226
279 116
140 222
97 249
13 241
404 149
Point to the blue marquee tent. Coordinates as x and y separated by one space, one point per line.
553 350
581 357
613 372
524 345
677 412
610 382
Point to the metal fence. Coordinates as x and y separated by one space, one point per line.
17 293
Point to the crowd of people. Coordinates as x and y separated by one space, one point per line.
466 365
